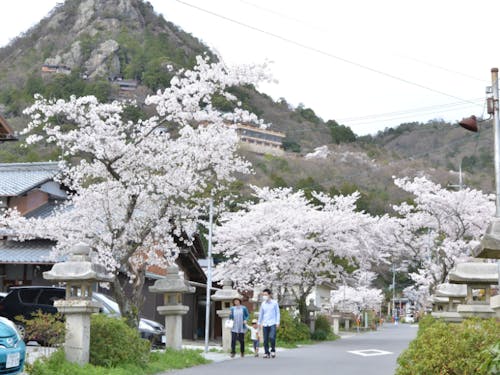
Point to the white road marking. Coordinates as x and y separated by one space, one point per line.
369 352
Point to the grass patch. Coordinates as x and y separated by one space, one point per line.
159 361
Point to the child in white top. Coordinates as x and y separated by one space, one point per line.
254 335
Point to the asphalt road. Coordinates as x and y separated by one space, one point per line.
379 351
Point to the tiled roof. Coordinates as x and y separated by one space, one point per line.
44 211
18 178
34 252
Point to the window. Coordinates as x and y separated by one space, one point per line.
28 295
47 297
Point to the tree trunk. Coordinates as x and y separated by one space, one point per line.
302 306
128 293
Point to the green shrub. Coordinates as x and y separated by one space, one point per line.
320 335
113 342
46 329
425 322
292 330
323 324
491 365
447 348
323 329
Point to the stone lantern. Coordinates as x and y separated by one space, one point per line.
288 301
446 299
80 275
173 286
479 277
226 295
312 310
256 300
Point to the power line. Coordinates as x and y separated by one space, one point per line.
390 116
413 111
325 53
322 30
409 115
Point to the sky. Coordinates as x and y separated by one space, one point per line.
366 64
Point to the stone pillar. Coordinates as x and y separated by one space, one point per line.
79 274
225 296
495 305
346 324
172 287
336 319
77 340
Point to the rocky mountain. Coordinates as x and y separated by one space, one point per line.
98 37
102 40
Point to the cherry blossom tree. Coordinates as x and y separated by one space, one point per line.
286 242
359 297
139 187
439 229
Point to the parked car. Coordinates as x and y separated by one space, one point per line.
12 348
29 299
2 295
409 318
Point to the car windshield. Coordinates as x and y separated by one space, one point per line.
110 304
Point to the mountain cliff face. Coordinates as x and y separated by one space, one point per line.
103 40
99 37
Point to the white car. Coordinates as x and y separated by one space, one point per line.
409 318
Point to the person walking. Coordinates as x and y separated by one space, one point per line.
255 337
269 320
239 315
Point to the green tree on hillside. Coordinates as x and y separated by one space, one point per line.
340 133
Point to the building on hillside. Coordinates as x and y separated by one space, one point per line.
127 84
32 189
260 140
55 68
6 132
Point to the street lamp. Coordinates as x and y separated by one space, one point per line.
490 244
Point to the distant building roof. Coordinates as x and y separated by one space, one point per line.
27 252
18 178
6 132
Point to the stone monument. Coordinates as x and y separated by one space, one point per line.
172 286
80 275
479 277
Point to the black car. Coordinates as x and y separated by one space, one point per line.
26 300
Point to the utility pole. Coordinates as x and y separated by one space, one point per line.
460 185
496 122
393 293
209 273
490 244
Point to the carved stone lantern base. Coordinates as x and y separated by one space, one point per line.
77 340
173 324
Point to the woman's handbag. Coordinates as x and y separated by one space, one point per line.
229 324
